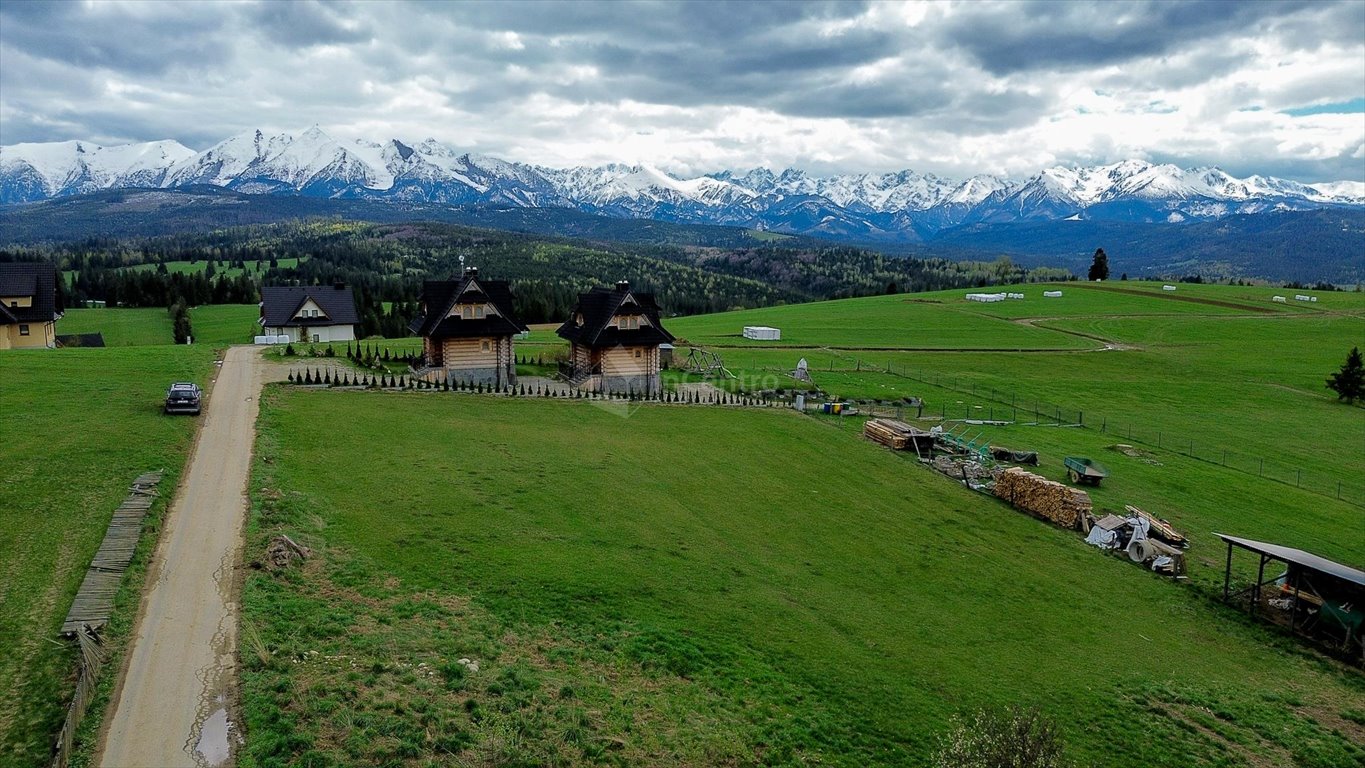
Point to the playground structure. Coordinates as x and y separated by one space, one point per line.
706 363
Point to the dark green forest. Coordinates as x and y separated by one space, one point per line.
387 264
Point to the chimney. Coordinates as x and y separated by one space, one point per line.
471 271
338 285
623 285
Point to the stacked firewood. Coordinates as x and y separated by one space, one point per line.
889 432
1045 498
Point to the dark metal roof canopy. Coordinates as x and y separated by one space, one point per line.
1298 557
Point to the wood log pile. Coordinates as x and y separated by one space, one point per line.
891 433
1050 500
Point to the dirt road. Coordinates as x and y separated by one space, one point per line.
171 707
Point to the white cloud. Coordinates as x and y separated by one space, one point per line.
953 89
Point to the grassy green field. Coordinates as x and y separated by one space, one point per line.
1223 380
716 586
78 425
214 325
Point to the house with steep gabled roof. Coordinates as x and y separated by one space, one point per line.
614 337
310 313
467 328
29 305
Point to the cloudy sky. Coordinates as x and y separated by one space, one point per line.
955 89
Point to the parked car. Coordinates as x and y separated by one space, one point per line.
183 397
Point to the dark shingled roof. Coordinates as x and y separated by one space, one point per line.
80 339
29 278
439 296
600 305
283 301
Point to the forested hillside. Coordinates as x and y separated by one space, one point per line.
386 264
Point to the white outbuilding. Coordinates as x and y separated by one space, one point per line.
762 333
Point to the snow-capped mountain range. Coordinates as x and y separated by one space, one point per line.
892 206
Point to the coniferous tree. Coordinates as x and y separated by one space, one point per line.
1099 268
1349 382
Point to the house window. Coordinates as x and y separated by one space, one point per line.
484 346
468 313
23 330
478 312
637 353
13 303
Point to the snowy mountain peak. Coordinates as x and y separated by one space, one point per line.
897 204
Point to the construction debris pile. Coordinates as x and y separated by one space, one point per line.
1145 538
964 468
898 435
1048 499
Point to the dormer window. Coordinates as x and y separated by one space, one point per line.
467 312
628 322
478 312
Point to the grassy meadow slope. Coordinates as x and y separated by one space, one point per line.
1219 368
703 585
212 324
78 426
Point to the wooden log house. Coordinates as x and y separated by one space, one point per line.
467 327
614 336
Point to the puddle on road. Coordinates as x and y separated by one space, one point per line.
216 737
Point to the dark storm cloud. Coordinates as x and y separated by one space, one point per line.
143 41
306 22
1060 35
648 23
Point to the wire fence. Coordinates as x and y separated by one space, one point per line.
996 404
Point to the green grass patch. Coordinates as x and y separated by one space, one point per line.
221 325
79 425
808 596
121 327
217 325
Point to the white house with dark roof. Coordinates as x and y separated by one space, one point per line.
309 313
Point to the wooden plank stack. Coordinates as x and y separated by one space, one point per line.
1159 528
892 433
94 602
1050 500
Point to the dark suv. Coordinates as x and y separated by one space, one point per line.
183 397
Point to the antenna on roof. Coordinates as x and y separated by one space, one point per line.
462 263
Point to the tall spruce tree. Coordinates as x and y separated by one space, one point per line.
1349 382
1099 268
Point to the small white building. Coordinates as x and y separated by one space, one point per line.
1052 294
1278 299
762 332
1168 287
